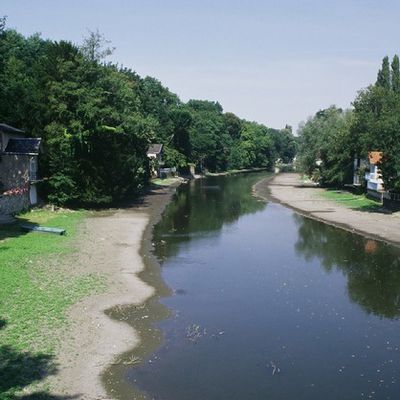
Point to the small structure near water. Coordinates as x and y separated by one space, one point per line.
155 154
368 171
373 177
18 170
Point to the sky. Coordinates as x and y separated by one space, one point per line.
274 62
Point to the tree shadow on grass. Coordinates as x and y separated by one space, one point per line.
378 208
14 229
20 369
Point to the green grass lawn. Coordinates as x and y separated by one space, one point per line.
358 202
36 290
164 182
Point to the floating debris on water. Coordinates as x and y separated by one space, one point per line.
275 368
195 332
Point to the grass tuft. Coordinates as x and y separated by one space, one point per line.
357 202
165 181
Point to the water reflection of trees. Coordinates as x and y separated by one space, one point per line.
202 208
372 268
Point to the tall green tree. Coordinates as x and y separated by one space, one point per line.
396 74
325 149
376 123
383 79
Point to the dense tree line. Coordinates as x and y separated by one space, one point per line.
97 119
329 141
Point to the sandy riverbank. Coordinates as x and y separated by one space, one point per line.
109 244
287 189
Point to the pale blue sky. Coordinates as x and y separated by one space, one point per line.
274 62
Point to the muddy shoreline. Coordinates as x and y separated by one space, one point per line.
141 317
115 244
286 188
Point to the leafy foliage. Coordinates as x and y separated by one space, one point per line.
97 119
324 149
377 122
332 138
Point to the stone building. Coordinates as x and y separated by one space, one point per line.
18 170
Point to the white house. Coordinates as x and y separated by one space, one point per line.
372 176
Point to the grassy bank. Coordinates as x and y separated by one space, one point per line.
357 202
166 181
37 288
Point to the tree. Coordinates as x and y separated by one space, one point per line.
326 138
182 121
383 79
95 46
285 146
377 125
96 120
3 22
233 125
208 135
396 74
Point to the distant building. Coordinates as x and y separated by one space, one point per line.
18 170
368 171
155 151
155 154
372 175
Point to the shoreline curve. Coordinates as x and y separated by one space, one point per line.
110 243
286 189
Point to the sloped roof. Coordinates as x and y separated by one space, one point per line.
9 129
374 157
154 148
23 146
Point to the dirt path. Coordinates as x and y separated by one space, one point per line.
308 201
109 245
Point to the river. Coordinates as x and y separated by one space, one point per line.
267 304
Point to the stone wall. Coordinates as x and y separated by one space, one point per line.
14 175
14 204
14 170
391 201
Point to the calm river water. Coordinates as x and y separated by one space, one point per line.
267 304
